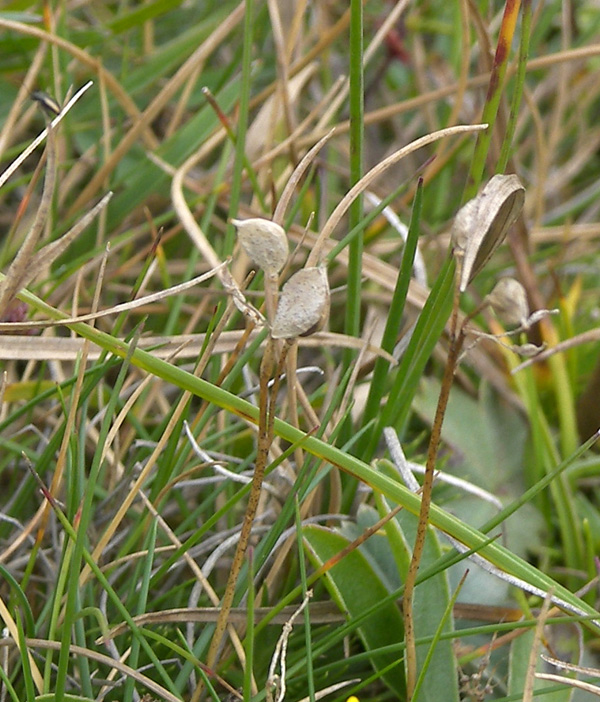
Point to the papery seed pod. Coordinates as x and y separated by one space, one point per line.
529 350
264 241
303 304
482 223
508 299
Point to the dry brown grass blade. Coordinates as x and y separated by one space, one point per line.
24 268
283 82
111 663
320 613
188 345
13 123
142 123
11 628
325 40
6 174
264 127
373 174
584 670
116 309
439 94
201 242
49 253
294 179
94 64
533 655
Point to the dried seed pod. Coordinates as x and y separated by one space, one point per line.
264 241
508 299
529 350
482 223
303 305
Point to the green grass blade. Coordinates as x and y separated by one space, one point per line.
426 334
394 317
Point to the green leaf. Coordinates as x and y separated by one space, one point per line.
426 334
431 600
356 587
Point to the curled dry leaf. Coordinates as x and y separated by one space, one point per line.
264 241
508 299
304 304
482 223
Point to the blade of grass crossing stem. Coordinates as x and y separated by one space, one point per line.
426 334
21 598
492 100
113 597
517 96
59 590
25 660
364 223
139 596
84 516
394 317
356 97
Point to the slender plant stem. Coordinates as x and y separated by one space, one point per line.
456 342
266 424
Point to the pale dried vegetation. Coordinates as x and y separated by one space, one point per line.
205 343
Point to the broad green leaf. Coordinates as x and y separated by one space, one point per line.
389 555
356 587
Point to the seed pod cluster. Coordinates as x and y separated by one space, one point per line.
303 306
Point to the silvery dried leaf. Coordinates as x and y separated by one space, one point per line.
264 241
509 301
480 226
303 305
